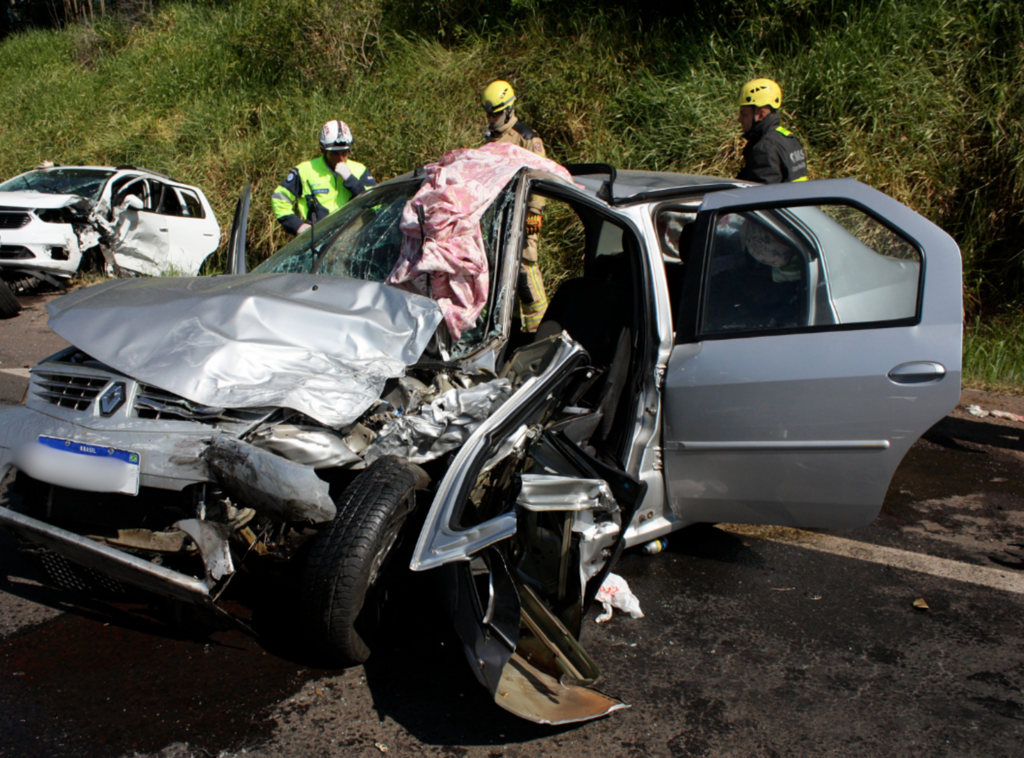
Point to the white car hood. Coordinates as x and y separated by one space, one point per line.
321 345
31 200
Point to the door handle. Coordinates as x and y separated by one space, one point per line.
163 228
919 372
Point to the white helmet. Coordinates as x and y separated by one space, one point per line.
336 136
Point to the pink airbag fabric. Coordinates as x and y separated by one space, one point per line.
450 266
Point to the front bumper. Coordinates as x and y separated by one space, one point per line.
170 452
52 248
112 562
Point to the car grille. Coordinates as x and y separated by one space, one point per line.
155 403
13 219
15 253
68 390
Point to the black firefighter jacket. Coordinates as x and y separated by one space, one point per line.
772 154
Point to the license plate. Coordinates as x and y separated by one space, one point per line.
118 469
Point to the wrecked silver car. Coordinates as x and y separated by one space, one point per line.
730 353
128 219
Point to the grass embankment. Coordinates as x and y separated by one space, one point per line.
922 101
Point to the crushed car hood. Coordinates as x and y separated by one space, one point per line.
320 345
37 200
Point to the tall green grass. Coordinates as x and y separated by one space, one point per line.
993 354
922 100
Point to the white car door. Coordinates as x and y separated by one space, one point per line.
818 336
143 235
194 232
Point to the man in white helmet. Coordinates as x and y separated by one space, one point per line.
503 126
316 188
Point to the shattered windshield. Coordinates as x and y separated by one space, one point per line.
85 182
362 240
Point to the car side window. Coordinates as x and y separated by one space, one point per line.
190 202
805 267
165 200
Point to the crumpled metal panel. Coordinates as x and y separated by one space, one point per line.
212 541
543 492
320 345
444 426
268 483
308 445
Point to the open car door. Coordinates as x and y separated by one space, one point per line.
525 526
818 336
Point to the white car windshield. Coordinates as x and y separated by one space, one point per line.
84 182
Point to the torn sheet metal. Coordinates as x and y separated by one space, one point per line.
268 483
443 252
541 492
445 425
212 541
320 345
309 445
145 539
542 684
541 698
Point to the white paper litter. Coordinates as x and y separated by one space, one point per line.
614 593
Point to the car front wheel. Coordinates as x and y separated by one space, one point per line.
344 581
9 305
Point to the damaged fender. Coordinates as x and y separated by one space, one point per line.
267 483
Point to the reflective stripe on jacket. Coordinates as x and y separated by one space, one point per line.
314 183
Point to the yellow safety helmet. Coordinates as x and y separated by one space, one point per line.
498 96
758 92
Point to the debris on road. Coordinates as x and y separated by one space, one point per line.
979 412
921 605
614 593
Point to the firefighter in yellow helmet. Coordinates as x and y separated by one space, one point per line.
772 153
498 100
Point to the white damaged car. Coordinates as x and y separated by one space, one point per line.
132 219
730 353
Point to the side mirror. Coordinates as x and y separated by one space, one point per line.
133 201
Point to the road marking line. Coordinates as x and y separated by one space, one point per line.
23 372
943 568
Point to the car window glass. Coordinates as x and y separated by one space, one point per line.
361 240
794 268
609 242
190 204
163 199
872 273
84 182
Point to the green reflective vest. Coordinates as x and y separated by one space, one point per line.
314 179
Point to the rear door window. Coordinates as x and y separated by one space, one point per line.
806 267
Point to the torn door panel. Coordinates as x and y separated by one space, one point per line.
527 529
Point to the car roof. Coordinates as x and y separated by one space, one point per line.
112 169
628 187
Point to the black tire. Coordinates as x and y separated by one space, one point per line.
345 578
9 305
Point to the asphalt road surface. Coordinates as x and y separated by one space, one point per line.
756 642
